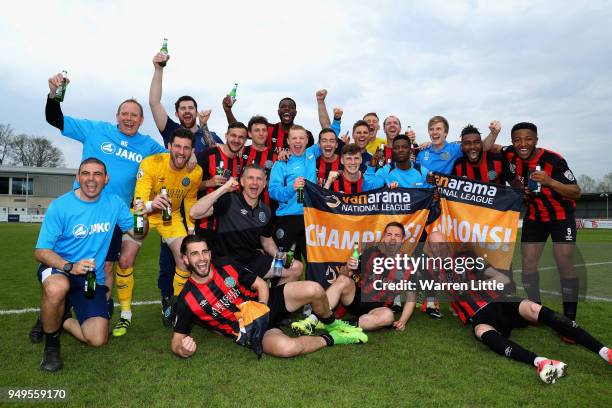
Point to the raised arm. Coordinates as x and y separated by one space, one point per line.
227 108
488 144
204 206
323 115
160 116
53 110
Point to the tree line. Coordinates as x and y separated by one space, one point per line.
27 150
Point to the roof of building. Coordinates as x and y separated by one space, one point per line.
38 170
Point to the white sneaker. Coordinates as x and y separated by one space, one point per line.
550 370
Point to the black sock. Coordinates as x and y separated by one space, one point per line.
329 340
52 340
327 320
568 328
531 283
505 347
569 294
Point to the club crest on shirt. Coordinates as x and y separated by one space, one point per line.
280 233
107 147
268 164
161 179
139 174
569 175
262 217
185 182
492 174
230 282
445 156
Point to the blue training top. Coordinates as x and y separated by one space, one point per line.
76 229
414 177
442 160
122 154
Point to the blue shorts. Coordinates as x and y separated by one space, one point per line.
115 247
83 307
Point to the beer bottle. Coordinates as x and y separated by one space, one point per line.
232 93
534 186
166 211
381 158
300 194
355 255
60 91
138 219
221 169
164 50
90 282
289 258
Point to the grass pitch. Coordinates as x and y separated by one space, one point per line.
432 363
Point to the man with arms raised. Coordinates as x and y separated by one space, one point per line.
73 240
244 225
217 289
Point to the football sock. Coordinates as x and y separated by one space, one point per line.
124 279
568 328
531 283
52 340
180 278
569 294
327 320
505 347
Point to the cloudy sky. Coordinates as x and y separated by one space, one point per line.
548 62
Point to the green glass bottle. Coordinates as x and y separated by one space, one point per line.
166 211
90 283
355 255
232 93
60 91
289 257
164 50
138 219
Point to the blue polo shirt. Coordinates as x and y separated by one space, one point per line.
414 177
442 160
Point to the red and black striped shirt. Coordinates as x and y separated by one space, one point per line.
209 160
344 186
491 168
214 303
369 288
323 169
548 205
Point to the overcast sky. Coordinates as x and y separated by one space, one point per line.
548 62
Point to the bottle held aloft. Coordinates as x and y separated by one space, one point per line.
164 50
60 91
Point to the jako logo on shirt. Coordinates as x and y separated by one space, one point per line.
81 231
109 148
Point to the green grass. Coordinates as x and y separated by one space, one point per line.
432 363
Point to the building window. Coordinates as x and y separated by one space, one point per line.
22 186
4 185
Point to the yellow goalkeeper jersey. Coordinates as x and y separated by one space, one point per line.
182 185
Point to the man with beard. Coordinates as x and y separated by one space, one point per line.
169 171
550 211
277 133
349 180
186 110
74 240
355 289
218 164
220 290
119 146
244 225
329 160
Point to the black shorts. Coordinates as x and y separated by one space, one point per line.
276 303
358 308
258 263
502 315
115 247
539 231
290 230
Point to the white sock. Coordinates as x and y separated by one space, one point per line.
126 314
313 319
537 360
431 302
604 353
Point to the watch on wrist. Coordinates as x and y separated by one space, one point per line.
67 267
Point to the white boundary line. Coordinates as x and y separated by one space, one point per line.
32 310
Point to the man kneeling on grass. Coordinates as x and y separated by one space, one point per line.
493 315
232 300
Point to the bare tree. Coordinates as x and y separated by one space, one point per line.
586 183
605 185
35 151
6 139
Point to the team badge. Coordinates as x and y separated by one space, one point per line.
230 282
161 179
262 217
79 231
492 174
185 182
139 174
445 156
569 175
280 233
107 147
268 164
245 157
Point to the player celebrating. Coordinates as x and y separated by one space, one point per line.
169 171
329 160
215 296
350 180
74 240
